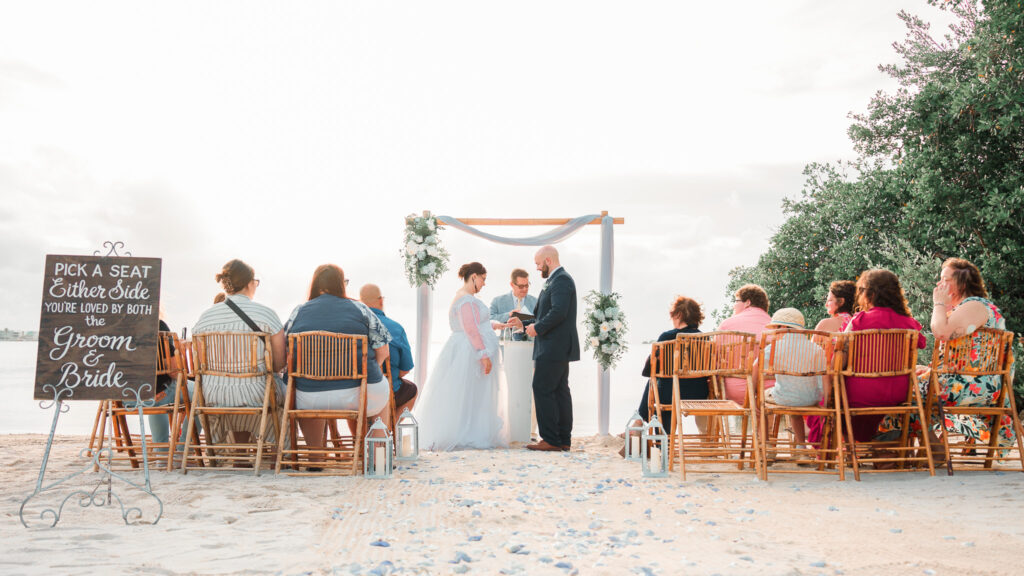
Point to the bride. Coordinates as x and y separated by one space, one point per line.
462 406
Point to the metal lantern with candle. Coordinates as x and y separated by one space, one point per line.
377 456
634 431
654 450
407 437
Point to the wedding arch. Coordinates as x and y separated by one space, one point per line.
564 228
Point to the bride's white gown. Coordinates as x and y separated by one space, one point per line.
461 407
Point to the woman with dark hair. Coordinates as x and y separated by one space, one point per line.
461 405
882 306
239 283
839 305
329 309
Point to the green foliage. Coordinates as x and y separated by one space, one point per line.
939 173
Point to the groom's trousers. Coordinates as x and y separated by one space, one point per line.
553 402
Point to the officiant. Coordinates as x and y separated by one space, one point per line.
518 300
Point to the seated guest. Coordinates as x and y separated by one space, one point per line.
329 309
883 306
400 352
839 305
686 317
750 314
792 390
239 283
517 300
960 307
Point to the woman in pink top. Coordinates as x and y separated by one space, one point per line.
883 306
750 314
839 305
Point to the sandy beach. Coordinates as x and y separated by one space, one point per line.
517 512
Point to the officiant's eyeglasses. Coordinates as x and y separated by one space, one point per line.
527 285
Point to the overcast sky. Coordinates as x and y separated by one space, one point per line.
292 134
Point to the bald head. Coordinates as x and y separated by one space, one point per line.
369 294
546 260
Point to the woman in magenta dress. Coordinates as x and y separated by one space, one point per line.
882 306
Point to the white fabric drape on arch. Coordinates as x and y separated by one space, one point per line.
550 237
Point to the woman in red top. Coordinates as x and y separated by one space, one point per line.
882 306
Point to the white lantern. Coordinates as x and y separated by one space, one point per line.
654 450
377 456
634 431
407 437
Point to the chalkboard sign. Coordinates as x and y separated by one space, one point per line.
98 327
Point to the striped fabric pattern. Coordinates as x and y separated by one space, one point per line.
222 391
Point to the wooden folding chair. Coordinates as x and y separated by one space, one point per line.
126 446
986 352
879 354
789 352
233 356
716 355
324 356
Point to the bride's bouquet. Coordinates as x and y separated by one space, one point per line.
425 259
606 328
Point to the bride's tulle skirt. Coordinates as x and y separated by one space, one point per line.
461 407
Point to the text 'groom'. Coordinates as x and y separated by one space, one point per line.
556 344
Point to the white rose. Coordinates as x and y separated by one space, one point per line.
604 327
430 224
617 324
411 248
417 239
598 315
427 269
595 341
432 239
432 250
611 313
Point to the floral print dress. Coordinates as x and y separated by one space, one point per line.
958 390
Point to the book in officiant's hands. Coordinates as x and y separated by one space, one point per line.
523 316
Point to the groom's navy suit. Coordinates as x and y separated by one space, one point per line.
556 345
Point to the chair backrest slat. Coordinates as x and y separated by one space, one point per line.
231 354
880 353
984 352
327 356
793 352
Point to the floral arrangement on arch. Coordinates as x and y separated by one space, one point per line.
606 328
425 259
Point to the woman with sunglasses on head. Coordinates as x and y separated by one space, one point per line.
461 406
239 282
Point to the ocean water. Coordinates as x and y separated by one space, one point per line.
21 414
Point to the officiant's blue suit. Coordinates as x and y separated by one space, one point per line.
557 344
502 305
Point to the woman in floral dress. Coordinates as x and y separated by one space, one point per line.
961 306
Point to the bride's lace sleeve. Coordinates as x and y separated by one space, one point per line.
469 317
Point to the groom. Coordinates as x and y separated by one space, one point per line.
556 344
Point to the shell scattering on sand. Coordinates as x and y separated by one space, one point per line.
520 512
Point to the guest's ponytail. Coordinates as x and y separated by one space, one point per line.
235 276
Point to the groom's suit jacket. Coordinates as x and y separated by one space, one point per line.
557 339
